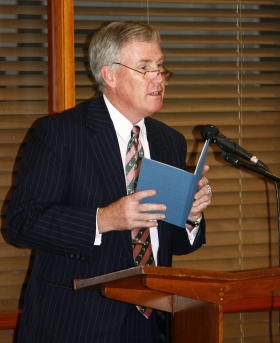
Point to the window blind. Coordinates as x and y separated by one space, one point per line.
23 100
225 57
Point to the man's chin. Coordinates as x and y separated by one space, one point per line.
156 106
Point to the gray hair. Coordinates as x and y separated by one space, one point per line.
107 44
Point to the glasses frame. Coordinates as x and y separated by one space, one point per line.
163 73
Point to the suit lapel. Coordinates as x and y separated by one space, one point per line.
158 148
104 148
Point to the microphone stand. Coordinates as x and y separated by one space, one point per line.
236 162
267 173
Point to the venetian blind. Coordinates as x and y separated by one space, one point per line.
23 100
225 57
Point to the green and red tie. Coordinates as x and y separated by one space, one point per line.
141 240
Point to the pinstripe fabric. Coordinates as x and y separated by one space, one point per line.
64 177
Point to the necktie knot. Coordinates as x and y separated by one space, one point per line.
135 131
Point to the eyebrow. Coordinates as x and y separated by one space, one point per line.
148 61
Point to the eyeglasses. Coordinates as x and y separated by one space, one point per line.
152 74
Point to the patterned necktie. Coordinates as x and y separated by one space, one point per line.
141 240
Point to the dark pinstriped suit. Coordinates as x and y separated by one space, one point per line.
72 166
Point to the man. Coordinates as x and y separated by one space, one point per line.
72 204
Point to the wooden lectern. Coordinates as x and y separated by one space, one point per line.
197 299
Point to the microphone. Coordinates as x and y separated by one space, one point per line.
228 145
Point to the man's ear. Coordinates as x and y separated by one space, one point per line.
108 76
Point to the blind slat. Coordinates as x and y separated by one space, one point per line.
206 2
24 52
174 12
23 24
23 10
24 107
225 92
18 37
12 134
18 66
191 26
220 105
24 80
15 94
198 39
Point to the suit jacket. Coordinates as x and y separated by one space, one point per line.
70 167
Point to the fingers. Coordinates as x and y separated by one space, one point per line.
209 189
204 194
204 190
145 221
145 208
143 214
202 197
127 213
202 201
138 196
202 182
205 169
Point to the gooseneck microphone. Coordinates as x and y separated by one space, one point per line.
228 145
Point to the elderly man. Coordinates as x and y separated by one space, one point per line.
76 204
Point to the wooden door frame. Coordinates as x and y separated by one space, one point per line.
61 57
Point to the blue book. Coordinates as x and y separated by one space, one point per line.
175 187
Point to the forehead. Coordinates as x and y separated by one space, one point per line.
142 51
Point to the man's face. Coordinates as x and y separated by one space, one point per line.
136 96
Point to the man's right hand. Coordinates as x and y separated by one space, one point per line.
127 213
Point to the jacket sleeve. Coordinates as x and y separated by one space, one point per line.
38 214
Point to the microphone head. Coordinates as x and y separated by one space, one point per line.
209 132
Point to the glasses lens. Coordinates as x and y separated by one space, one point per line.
154 73
151 74
167 75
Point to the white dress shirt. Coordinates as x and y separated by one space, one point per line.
123 130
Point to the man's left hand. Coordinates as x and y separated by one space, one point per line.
202 197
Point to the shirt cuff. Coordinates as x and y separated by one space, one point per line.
192 234
98 236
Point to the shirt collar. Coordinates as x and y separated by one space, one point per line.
122 125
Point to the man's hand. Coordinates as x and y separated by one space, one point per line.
202 198
127 213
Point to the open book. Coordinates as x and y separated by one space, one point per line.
175 187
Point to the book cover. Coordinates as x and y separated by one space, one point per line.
175 187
